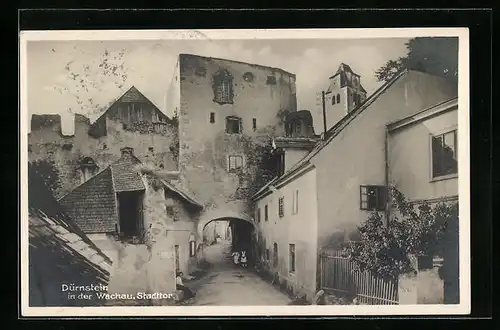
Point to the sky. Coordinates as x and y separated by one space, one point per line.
66 77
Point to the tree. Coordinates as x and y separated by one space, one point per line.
434 55
416 230
48 172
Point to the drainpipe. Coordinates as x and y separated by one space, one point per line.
386 174
324 113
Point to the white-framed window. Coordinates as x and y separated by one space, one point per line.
235 163
444 159
295 204
373 197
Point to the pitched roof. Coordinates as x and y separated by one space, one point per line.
92 204
49 225
131 95
181 193
125 178
337 128
344 81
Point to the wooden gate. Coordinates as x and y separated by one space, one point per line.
338 275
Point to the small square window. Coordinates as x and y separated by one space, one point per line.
212 117
373 198
233 125
171 213
271 80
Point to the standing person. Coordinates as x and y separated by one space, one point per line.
236 258
244 258
180 286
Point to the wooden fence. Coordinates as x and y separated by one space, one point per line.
338 275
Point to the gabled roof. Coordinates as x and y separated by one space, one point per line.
125 178
131 95
337 128
49 225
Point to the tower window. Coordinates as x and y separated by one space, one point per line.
333 99
254 124
271 80
338 98
212 117
233 125
223 88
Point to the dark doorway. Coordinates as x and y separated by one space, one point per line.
130 214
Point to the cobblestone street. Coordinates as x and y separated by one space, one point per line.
228 285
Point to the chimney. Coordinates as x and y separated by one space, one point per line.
127 151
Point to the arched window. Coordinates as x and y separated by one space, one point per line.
223 87
338 98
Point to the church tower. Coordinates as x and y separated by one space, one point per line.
344 94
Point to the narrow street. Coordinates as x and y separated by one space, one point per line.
228 285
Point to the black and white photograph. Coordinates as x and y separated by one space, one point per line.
245 172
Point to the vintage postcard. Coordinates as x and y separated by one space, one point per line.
245 172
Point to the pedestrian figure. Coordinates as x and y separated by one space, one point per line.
236 258
180 286
243 258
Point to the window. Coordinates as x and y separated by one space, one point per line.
171 212
298 128
212 117
177 258
258 215
338 98
267 254
275 255
235 163
373 198
271 80
444 154
192 248
295 204
223 88
248 76
233 125
266 213
292 258
333 100
254 124
281 206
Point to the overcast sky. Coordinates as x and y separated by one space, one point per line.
70 76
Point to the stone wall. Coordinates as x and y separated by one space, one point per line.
205 146
46 142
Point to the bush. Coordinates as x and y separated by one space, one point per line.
416 230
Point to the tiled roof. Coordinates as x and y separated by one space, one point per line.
50 226
92 204
125 177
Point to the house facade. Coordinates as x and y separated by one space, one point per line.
350 165
132 120
140 218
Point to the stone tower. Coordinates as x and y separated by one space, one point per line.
344 93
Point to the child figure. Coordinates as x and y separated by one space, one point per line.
236 258
243 258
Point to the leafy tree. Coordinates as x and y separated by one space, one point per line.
416 230
48 172
435 55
